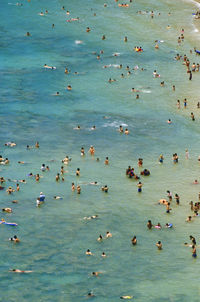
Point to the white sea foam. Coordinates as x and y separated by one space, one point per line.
78 42
116 54
115 124
146 91
197 4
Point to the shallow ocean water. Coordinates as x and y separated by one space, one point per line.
54 238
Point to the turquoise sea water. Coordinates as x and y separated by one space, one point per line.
54 238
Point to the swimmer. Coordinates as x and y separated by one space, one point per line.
111 80
192 116
91 217
126 297
161 159
69 87
194 253
10 144
104 189
106 162
14 201
178 104
168 225
158 226
159 245
139 185
66 160
49 67
7 210
135 90
37 177
78 188
155 74
193 240
92 150
57 197
17 187
121 129
6 162
15 239
62 171
90 294
10 190
140 162
88 252
169 121
168 209
77 172
100 238
103 255
96 274
126 131
19 271
149 225
177 198
134 240
196 182
108 234
43 168
73 187
88 29
163 201
38 202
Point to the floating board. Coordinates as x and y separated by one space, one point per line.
9 223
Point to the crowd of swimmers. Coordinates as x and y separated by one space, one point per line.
191 69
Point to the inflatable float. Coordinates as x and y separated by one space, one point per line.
8 223
169 225
138 49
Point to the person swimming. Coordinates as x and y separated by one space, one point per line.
134 240
15 239
91 217
19 271
100 238
7 210
88 252
159 245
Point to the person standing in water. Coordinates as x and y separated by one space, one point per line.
159 245
194 253
139 185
